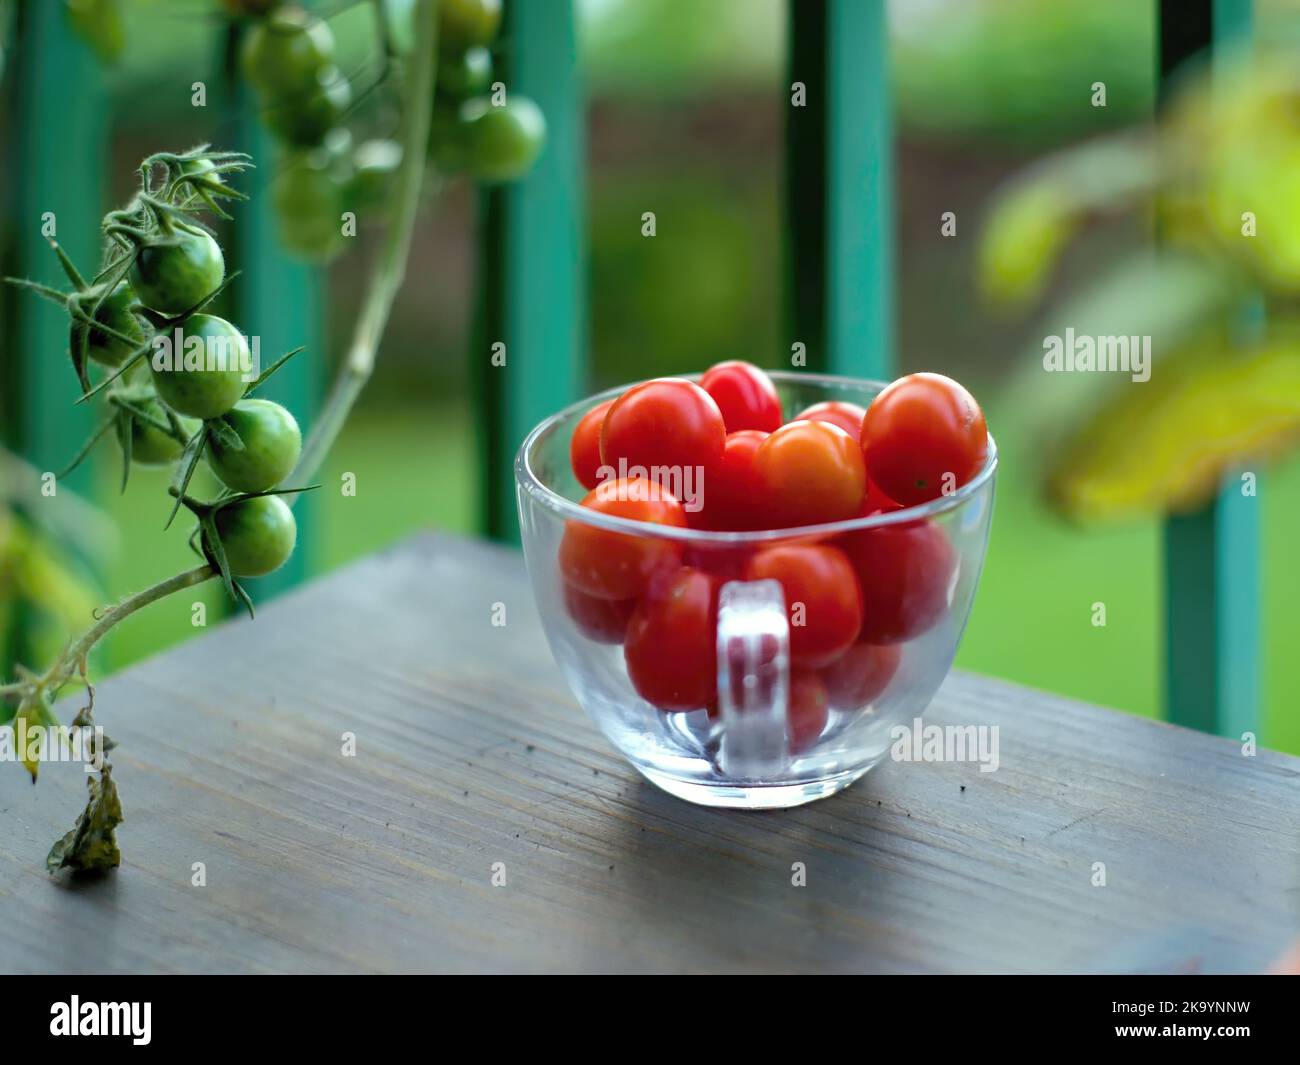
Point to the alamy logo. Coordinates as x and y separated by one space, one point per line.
53 743
196 353
132 1019
949 743
1085 354
683 483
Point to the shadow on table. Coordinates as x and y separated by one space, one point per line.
756 890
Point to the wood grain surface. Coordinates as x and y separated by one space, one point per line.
470 751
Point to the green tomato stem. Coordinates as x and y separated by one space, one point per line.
390 270
68 662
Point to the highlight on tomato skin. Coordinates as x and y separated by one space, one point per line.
847 416
670 423
905 573
924 436
744 394
671 647
618 565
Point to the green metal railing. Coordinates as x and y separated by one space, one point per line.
528 353
1212 603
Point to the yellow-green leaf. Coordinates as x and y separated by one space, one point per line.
33 713
1164 445
1036 215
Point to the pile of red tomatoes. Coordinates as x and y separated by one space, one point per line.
720 456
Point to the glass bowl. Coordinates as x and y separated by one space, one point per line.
777 729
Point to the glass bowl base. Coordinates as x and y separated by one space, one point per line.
752 796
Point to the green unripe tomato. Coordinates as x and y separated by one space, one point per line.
198 167
466 74
304 120
284 53
202 383
150 446
173 273
114 312
258 535
374 165
308 198
272 443
503 142
465 24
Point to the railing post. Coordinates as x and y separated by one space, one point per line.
839 186
61 144
532 271
59 131
1211 571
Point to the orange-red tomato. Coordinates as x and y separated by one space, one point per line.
810 472
618 565
671 647
822 599
923 436
861 675
744 394
904 571
584 445
669 423
732 493
848 416
601 620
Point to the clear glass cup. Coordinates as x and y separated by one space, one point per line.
773 732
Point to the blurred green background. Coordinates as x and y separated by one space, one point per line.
686 103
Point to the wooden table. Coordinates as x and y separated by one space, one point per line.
470 751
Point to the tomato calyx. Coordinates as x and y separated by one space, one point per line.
207 540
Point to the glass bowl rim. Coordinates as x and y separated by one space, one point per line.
527 479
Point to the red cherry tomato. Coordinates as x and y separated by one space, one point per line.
601 620
877 502
923 436
809 709
671 649
732 493
810 472
904 571
722 560
617 565
822 599
848 416
861 675
584 446
745 395
667 423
